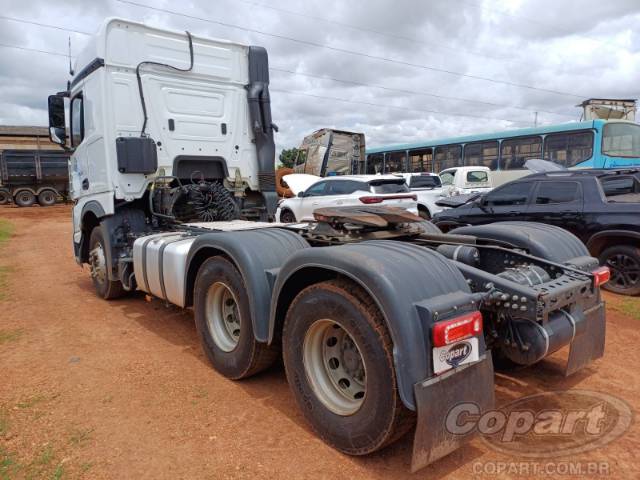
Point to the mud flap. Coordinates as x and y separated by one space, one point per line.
434 400
588 344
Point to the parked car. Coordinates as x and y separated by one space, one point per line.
465 180
428 189
601 207
343 190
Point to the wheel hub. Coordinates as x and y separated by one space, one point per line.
98 264
334 367
625 271
223 316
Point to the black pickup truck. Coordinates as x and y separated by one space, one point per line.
601 207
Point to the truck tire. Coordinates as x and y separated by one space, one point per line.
105 288
5 196
47 198
333 333
287 216
624 262
24 198
223 321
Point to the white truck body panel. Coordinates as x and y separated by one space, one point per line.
197 103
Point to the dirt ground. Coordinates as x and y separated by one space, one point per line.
121 389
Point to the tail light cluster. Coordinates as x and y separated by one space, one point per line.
368 200
601 275
456 329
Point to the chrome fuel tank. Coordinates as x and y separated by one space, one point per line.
159 264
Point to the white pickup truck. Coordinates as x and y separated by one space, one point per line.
428 190
465 180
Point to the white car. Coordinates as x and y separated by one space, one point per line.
343 190
428 189
465 180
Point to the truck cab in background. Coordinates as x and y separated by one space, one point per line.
165 121
466 180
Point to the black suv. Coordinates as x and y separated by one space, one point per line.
601 207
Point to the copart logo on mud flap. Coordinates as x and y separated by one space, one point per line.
549 424
456 354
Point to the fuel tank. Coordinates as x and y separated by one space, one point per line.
159 264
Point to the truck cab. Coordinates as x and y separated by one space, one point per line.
146 104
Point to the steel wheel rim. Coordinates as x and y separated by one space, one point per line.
97 263
625 271
334 367
223 316
47 197
25 197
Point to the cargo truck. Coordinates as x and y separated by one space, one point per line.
383 322
28 177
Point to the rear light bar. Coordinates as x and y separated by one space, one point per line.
456 329
601 275
380 199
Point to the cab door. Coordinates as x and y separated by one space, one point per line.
558 203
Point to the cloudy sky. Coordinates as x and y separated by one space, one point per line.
397 70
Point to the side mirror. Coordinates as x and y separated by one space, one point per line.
57 121
300 194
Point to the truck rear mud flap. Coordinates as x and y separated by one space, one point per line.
588 342
436 397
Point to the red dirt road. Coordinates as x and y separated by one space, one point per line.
95 389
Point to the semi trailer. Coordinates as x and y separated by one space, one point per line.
28 177
383 322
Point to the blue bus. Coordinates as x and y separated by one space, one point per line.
591 144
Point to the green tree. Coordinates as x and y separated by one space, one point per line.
288 157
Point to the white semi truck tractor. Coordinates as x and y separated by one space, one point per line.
384 323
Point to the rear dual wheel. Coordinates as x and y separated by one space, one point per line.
24 198
47 198
5 196
223 321
338 357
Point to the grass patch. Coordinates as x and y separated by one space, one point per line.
6 229
9 336
9 467
628 306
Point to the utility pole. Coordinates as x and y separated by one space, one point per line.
535 120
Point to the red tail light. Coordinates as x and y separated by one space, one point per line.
456 329
601 275
370 200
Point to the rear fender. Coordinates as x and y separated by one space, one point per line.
257 254
412 286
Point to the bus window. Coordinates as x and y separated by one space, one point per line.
375 162
568 149
421 160
482 154
447 157
514 152
621 140
395 162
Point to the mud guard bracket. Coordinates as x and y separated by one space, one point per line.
434 400
588 344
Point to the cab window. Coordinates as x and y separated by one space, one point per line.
77 120
448 177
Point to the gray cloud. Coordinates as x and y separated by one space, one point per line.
587 48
